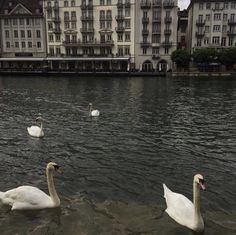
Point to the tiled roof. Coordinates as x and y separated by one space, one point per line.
31 5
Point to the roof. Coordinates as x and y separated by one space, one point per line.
31 5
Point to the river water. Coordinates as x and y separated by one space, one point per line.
150 131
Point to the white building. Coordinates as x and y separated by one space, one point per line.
211 24
22 30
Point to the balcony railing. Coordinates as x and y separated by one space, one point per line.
145 31
56 19
231 21
120 29
231 33
87 30
94 43
119 5
145 4
156 57
156 19
145 20
168 4
127 4
86 18
200 22
56 30
145 44
119 17
168 19
88 6
156 32
167 31
200 34
166 44
156 4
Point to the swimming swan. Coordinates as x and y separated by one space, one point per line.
36 131
93 113
31 198
182 210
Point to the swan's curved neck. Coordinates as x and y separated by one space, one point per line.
51 188
196 200
90 109
41 125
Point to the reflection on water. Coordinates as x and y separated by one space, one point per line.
151 131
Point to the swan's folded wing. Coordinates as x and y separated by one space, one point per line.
30 197
180 208
34 130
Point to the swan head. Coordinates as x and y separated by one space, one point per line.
198 179
90 104
53 167
39 119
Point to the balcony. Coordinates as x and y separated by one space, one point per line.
167 31
200 34
56 19
231 33
168 4
120 29
87 18
168 19
156 20
145 44
145 31
127 4
119 17
156 57
55 8
145 4
145 20
93 43
231 21
56 30
156 4
86 7
87 30
166 44
200 22
156 32
119 5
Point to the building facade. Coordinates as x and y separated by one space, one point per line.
23 41
182 29
212 24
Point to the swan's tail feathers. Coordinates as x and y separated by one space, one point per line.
166 190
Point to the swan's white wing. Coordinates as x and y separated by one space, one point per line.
26 197
35 131
95 113
179 207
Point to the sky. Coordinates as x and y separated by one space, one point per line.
183 4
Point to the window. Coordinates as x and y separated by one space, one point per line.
7 35
230 42
28 21
22 21
226 5
108 2
38 33
22 34
29 33
73 25
109 25
156 38
58 51
144 51
207 29
102 15
223 41
200 6
15 34
127 50
206 41
224 28
217 16
65 3
109 16
216 28
102 24
29 44
14 22
155 50
16 44
72 3
50 37
208 17
199 42
233 5
217 6
49 26
127 24
58 38
120 37
23 44
127 12
6 22
120 51
7 44
127 36
102 2
67 25
37 21
38 44
216 40
166 50
208 5
225 17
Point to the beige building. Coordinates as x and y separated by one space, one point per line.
211 24
22 30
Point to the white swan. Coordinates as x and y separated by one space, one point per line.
182 210
93 113
30 198
36 131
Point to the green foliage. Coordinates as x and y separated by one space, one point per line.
205 55
228 57
181 58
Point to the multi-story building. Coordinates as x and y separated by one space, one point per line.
212 24
90 35
182 29
156 34
23 41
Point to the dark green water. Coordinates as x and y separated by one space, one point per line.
150 131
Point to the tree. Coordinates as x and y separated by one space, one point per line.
205 55
228 57
181 58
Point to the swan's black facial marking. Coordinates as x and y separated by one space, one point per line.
201 181
56 167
